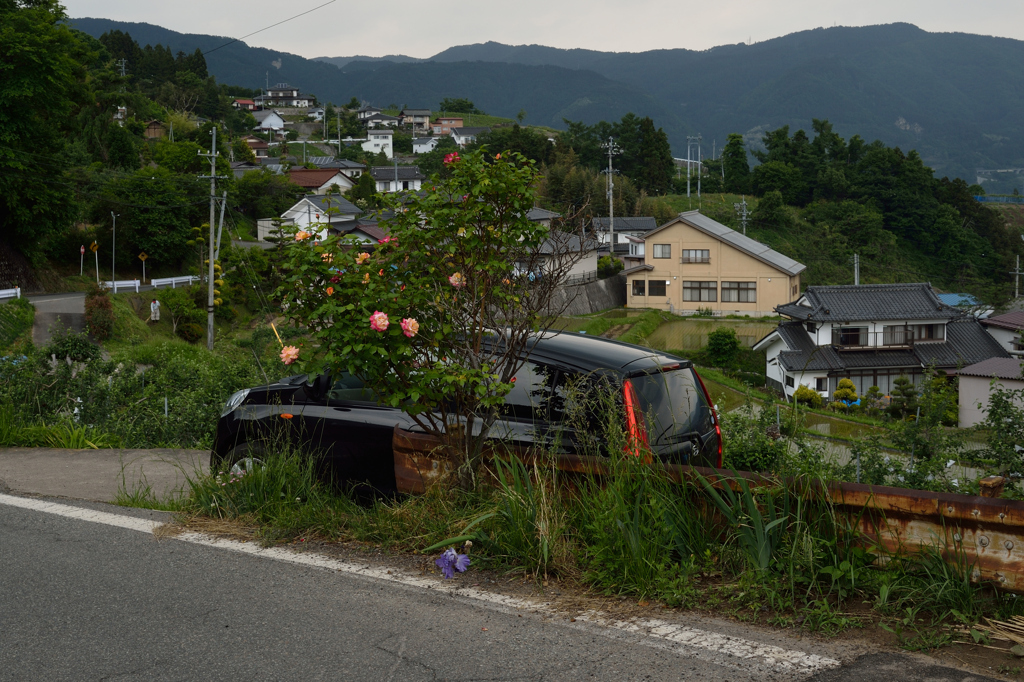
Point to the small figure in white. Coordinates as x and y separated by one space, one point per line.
154 311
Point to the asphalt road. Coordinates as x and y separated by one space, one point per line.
103 598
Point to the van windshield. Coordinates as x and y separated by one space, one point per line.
673 405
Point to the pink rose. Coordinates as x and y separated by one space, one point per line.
451 158
497 156
379 321
410 326
362 258
300 235
457 280
289 354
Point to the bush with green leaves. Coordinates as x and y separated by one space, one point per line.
845 393
752 439
807 396
723 347
99 314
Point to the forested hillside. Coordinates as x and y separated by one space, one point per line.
952 97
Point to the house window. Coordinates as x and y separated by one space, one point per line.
405 184
638 287
789 382
850 336
821 384
696 256
927 332
796 289
656 287
662 251
810 328
704 292
739 292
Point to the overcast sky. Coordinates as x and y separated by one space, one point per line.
422 29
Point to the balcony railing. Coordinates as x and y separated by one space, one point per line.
892 338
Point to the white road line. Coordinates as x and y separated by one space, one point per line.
681 639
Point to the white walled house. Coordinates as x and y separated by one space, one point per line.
1006 329
367 112
976 385
422 145
284 95
625 228
464 136
320 180
871 334
380 140
310 213
397 178
268 120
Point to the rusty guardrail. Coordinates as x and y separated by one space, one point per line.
984 532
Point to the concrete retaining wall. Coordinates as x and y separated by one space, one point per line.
592 297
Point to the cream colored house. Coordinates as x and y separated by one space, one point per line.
694 262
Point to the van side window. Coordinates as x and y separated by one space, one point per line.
529 397
582 401
348 388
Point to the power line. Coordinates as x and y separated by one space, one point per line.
266 28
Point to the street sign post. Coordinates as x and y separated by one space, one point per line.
143 257
81 265
95 248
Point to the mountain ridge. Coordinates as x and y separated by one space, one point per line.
951 96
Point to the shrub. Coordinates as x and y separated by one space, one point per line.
99 314
808 396
723 347
67 343
845 393
608 266
190 331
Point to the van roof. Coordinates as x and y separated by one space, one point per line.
588 353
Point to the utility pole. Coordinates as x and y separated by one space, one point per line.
612 150
213 207
114 245
338 131
220 225
1016 278
691 140
700 169
741 208
856 269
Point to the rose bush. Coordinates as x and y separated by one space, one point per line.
457 268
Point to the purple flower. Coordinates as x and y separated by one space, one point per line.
450 561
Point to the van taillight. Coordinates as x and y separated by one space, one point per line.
636 431
714 417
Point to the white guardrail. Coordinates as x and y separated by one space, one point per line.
122 284
173 281
10 293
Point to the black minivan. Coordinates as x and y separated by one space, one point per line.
667 407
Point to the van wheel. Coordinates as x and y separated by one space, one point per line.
243 458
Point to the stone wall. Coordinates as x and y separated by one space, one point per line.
592 297
15 270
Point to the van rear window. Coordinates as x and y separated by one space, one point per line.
673 404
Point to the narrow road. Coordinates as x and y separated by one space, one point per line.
89 592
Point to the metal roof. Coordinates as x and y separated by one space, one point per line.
537 213
738 241
1012 321
637 224
1000 368
869 302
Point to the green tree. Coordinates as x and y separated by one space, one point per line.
903 399
364 193
40 76
846 392
530 143
737 168
458 105
723 347
265 194
771 211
